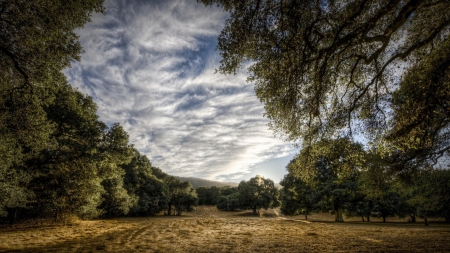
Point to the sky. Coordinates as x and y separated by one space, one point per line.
150 65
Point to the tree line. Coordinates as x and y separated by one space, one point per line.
331 71
77 165
57 158
341 177
80 166
254 194
324 71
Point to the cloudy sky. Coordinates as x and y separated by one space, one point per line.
150 65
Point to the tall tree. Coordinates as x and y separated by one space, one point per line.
257 193
67 170
115 151
140 181
180 195
331 169
443 193
325 69
424 192
37 41
228 199
208 195
297 197
376 184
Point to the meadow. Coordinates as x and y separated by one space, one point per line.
210 230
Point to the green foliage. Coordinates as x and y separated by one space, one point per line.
378 186
25 132
184 200
442 192
327 172
426 194
38 38
181 196
258 193
115 200
207 195
66 171
228 199
327 69
37 41
297 197
227 190
58 159
141 182
420 112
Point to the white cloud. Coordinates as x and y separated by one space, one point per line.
150 66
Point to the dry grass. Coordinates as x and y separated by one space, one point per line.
210 230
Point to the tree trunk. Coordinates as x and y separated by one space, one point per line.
169 210
306 216
338 215
254 211
413 218
384 218
362 218
12 219
368 218
426 221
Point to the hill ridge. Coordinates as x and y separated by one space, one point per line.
200 182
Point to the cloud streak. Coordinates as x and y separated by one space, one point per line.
150 66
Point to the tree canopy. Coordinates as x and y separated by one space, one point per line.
257 193
57 158
38 38
340 177
328 69
330 169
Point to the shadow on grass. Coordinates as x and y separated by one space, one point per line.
176 234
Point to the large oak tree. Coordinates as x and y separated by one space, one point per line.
325 69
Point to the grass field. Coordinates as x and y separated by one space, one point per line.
210 230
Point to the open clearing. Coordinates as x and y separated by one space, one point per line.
210 230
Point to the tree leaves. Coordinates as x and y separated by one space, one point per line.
327 70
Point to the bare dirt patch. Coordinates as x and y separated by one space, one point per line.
210 230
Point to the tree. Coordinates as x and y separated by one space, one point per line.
228 199
184 199
442 184
327 69
376 185
180 195
115 151
25 132
66 171
258 193
115 199
37 39
208 195
424 194
142 183
297 197
331 169
420 123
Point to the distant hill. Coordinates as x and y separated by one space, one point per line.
198 182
